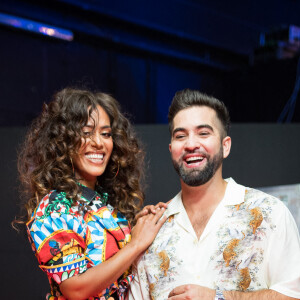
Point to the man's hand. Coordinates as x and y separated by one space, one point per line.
192 291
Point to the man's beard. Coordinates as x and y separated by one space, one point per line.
196 177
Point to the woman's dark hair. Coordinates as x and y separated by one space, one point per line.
187 98
44 162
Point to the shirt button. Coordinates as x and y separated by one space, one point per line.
195 241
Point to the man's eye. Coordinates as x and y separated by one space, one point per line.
180 136
204 133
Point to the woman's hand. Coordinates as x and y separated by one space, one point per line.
150 209
95 279
147 227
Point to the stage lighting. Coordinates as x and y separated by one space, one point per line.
36 27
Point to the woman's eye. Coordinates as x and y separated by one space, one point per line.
106 134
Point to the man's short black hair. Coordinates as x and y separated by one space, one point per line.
188 98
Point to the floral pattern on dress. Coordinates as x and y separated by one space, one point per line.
69 239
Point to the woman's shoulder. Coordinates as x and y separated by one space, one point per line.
55 202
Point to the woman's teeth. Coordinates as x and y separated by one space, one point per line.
95 156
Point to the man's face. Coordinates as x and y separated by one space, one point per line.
196 145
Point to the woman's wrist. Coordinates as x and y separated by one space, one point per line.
134 247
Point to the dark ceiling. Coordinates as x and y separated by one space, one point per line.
142 52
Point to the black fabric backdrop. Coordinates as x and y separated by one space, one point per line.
261 155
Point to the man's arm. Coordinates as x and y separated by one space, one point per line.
262 295
197 292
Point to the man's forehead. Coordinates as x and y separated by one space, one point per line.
195 116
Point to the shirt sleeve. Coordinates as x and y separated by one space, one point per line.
59 243
283 256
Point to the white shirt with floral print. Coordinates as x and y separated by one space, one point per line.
250 243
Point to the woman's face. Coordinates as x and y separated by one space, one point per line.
95 151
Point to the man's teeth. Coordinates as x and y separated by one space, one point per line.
190 159
95 156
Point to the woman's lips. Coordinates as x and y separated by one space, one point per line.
95 157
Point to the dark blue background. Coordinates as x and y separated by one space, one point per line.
142 52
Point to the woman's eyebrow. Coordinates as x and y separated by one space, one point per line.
102 127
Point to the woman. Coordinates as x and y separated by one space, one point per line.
80 166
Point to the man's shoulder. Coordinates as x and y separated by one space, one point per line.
255 195
260 197
266 203
257 199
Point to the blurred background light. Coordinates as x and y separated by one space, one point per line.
36 27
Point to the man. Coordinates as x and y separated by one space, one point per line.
221 240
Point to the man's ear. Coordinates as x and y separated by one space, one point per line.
170 147
226 146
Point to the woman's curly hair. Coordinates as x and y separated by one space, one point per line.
45 164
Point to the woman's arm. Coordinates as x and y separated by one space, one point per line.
96 279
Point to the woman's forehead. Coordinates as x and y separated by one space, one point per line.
98 116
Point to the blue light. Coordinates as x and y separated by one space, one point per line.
36 27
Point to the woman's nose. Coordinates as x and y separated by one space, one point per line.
97 139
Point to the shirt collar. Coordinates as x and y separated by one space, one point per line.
88 194
234 195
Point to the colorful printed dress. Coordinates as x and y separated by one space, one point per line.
68 240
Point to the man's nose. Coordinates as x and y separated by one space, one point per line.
192 143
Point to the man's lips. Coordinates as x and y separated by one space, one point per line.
194 160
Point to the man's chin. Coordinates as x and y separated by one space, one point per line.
196 177
194 183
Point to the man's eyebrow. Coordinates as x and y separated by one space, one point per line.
198 127
178 129
205 126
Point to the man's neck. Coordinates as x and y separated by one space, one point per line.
206 195
200 202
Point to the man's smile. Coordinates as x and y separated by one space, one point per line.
194 160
